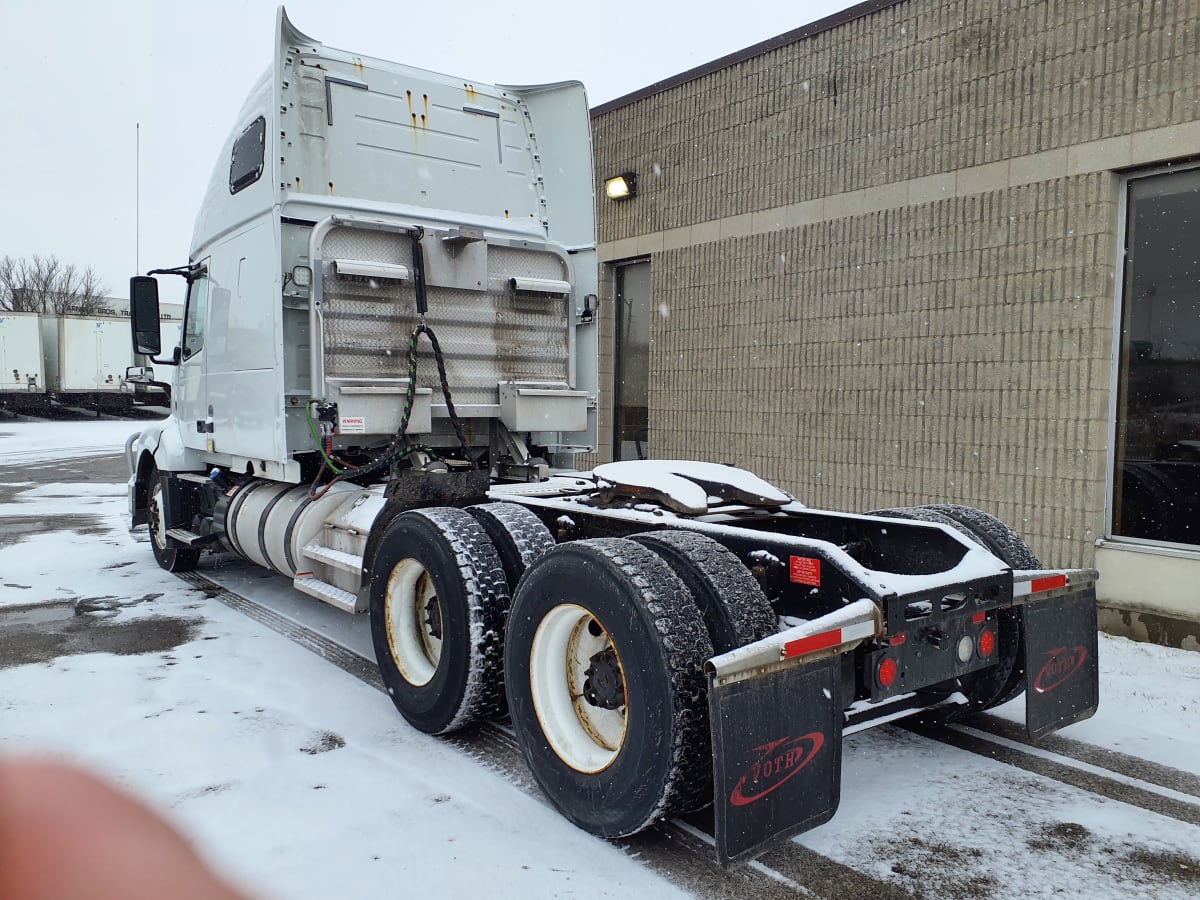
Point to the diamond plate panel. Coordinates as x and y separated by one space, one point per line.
485 337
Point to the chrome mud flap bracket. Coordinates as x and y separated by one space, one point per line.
1062 673
776 713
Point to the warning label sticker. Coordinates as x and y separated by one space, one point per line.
804 570
352 425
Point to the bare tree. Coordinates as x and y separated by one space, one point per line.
46 284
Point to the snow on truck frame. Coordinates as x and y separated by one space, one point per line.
390 339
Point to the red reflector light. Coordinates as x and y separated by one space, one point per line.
979 618
1048 584
887 672
987 642
897 639
800 646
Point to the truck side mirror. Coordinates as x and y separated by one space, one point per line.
143 315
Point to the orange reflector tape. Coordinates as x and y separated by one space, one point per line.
1047 584
809 644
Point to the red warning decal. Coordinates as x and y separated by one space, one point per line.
804 570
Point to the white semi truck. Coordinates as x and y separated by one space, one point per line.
388 360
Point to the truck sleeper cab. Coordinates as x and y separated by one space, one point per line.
390 340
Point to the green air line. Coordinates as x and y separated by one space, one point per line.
317 438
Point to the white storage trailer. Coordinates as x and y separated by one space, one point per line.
390 331
22 373
86 359
153 385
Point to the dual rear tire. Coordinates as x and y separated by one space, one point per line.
597 654
438 602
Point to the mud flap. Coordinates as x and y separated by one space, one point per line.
1062 675
777 755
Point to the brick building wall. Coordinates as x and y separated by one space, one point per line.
884 253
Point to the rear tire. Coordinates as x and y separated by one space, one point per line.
173 559
519 536
603 664
438 607
730 599
1006 680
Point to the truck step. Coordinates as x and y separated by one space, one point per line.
323 590
190 538
339 559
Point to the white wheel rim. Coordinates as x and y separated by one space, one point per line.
416 650
586 737
158 533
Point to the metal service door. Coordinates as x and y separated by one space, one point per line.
631 370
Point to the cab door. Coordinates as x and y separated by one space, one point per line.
189 401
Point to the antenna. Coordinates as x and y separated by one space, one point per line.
137 201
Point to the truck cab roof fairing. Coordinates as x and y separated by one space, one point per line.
352 133
223 211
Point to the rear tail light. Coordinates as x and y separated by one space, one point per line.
987 642
887 671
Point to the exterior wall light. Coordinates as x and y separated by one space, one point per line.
621 187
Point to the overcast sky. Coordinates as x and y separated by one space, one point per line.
79 76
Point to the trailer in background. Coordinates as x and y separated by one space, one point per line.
22 373
86 358
151 385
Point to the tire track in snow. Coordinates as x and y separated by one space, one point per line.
1113 760
1077 774
681 851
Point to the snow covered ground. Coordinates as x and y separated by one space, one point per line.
293 777
301 781
26 442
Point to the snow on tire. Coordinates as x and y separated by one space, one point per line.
735 609
924 514
999 538
1006 680
518 535
438 604
603 664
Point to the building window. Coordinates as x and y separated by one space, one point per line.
631 370
249 151
1156 473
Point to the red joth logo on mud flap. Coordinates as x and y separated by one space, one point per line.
780 760
1060 666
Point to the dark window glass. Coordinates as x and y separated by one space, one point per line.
249 151
632 378
1156 486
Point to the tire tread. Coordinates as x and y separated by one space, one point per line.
735 609
519 536
487 600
